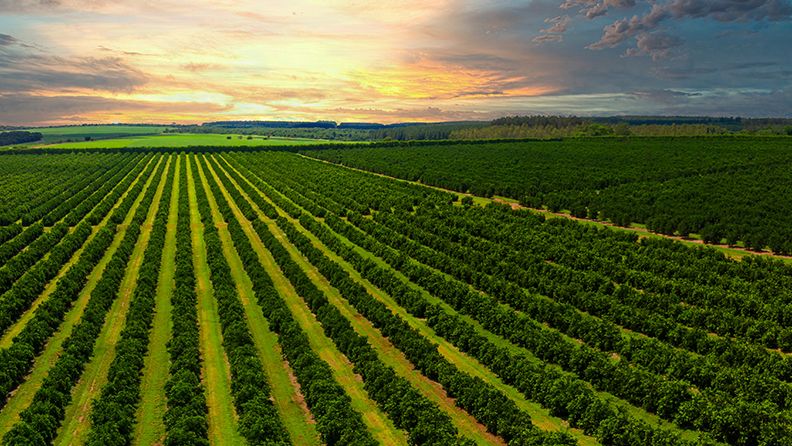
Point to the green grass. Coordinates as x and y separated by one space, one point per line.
380 426
184 140
293 411
215 368
76 423
23 395
150 427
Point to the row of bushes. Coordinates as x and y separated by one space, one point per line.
17 360
186 416
40 421
259 422
113 411
337 422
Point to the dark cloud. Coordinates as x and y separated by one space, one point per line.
6 40
27 109
28 69
657 45
719 10
748 102
664 96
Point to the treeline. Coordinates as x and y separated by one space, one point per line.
259 422
578 128
730 190
543 126
19 137
336 421
113 411
423 131
330 131
34 188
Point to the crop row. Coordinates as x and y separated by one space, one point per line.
113 411
39 421
539 343
186 417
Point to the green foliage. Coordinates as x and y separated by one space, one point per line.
548 287
726 188
19 137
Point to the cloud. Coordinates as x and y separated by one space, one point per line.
27 5
595 8
29 69
657 45
27 109
199 67
718 10
555 32
6 40
720 102
665 96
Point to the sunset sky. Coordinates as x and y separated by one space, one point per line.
73 61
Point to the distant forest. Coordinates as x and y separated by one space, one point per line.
510 127
19 137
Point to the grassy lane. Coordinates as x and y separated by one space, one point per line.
467 425
150 427
215 371
23 395
378 423
76 422
15 329
293 411
541 416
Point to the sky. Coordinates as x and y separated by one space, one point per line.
191 61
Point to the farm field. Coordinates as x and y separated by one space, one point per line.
269 298
721 190
139 136
182 140
79 132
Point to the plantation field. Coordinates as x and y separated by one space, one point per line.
722 190
269 298
183 140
